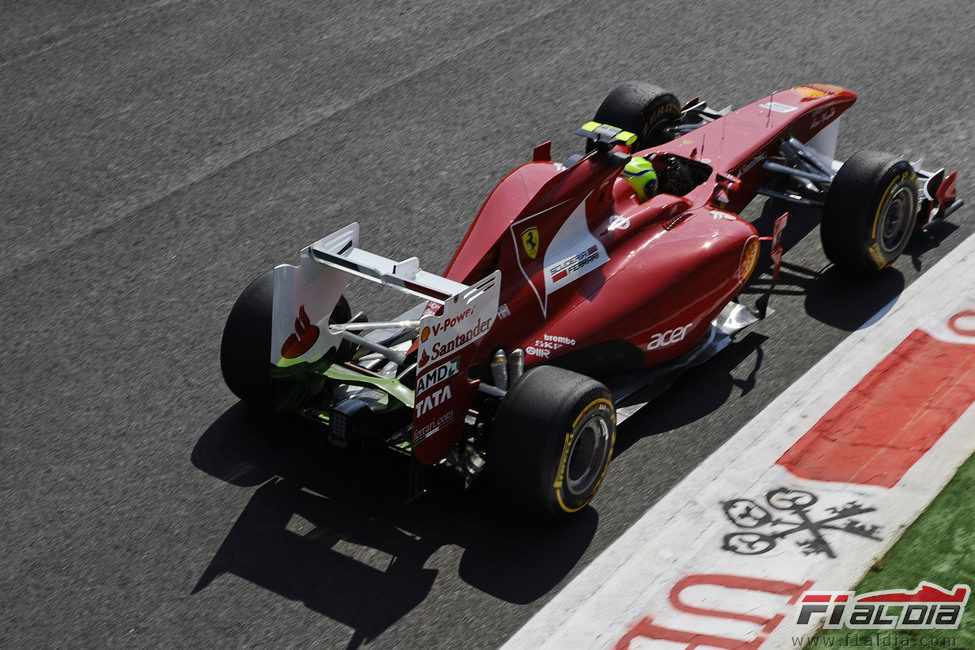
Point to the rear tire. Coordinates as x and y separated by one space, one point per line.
870 212
643 109
551 442
245 348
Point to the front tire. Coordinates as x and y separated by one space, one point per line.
870 212
643 109
551 442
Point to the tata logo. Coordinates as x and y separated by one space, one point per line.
438 374
432 400
529 239
663 339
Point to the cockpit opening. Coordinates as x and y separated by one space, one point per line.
677 175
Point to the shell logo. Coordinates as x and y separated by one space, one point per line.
749 259
809 92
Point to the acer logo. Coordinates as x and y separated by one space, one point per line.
435 398
304 337
671 336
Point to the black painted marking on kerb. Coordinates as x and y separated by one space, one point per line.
789 512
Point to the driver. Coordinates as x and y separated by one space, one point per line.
642 178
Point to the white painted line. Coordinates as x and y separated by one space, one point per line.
648 574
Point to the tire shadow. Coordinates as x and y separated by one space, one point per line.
841 300
929 241
830 296
711 384
332 530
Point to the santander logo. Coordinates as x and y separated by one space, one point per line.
304 337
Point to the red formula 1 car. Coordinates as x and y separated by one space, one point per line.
569 296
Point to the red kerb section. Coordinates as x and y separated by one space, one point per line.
892 417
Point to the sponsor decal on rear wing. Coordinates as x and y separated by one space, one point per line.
304 297
447 345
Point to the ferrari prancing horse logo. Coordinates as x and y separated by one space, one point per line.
529 239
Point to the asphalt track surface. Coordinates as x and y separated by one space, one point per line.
155 156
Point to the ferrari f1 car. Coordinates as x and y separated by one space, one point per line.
569 297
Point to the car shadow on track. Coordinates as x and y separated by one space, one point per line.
333 531
711 384
830 295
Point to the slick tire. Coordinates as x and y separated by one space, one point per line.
551 442
643 109
245 348
869 213
246 344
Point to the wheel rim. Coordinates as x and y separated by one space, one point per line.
587 455
896 219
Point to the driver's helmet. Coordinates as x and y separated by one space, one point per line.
640 175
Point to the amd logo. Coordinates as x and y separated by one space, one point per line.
669 337
437 375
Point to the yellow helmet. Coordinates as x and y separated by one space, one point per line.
639 173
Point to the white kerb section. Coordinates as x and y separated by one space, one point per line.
660 576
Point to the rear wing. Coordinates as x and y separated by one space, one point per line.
305 295
339 250
446 343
